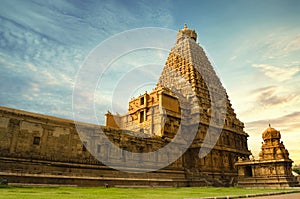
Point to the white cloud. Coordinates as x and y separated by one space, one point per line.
267 102
233 58
31 67
44 43
280 44
293 45
277 73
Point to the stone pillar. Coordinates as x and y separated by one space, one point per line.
14 129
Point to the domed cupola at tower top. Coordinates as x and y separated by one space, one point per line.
271 133
272 148
186 32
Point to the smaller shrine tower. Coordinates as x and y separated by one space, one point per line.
272 148
274 167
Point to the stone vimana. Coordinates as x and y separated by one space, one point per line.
274 167
188 97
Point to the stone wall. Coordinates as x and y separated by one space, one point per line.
42 149
272 173
29 135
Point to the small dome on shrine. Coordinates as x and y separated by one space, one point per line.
271 133
187 32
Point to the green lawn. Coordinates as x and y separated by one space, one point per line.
117 193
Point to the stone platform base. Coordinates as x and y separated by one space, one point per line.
269 182
26 171
38 179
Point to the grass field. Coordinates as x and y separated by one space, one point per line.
117 193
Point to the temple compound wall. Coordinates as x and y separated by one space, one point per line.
274 167
42 149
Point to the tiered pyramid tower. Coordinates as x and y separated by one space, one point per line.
219 127
189 97
272 148
189 59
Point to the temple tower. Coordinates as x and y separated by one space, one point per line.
272 148
160 112
274 167
189 59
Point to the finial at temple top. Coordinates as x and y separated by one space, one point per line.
187 32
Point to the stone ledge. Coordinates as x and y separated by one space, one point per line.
41 185
79 165
250 195
91 178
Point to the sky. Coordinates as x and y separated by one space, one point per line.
254 46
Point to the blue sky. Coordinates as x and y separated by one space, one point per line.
254 45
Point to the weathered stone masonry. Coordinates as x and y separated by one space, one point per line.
42 149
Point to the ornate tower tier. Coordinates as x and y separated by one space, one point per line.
272 148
